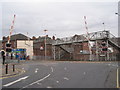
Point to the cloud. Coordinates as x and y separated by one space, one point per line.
63 18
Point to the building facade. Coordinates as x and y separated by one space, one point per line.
76 47
39 48
20 44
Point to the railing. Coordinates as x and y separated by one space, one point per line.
113 39
83 37
68 49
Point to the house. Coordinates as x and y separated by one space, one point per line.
20 44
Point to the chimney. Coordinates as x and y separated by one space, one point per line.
33 37
4 37
53 37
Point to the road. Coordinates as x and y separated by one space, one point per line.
64 74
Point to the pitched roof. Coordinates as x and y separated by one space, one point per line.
42 39
17 37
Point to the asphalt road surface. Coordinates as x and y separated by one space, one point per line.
63 74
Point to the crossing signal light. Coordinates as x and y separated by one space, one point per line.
104 49
103 43
8 47
104 46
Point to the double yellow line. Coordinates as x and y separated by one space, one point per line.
21 72
118 78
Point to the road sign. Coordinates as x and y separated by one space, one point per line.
41 48
18 50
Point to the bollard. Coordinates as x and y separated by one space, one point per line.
6 68
13 68
18 60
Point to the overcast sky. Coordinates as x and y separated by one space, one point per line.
60 18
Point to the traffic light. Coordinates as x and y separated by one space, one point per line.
104 49
8 44
104 46
8 47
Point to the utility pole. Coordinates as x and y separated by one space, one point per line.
54 52
45 43
54 49
103 25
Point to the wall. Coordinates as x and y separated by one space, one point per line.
40 54
28 45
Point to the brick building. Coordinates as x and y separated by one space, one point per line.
39 47
20 44
76 48
69 48
71 51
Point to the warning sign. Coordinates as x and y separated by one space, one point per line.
41 48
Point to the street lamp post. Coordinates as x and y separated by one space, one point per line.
103 25
45 43
118 35
54 49
117 14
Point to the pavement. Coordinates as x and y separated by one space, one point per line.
14 68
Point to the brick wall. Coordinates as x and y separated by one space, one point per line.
40 53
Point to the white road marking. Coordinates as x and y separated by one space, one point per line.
36 70
66 78
65 68
52 69
49 87
115 65
37 81
84 73
57 81
16 81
